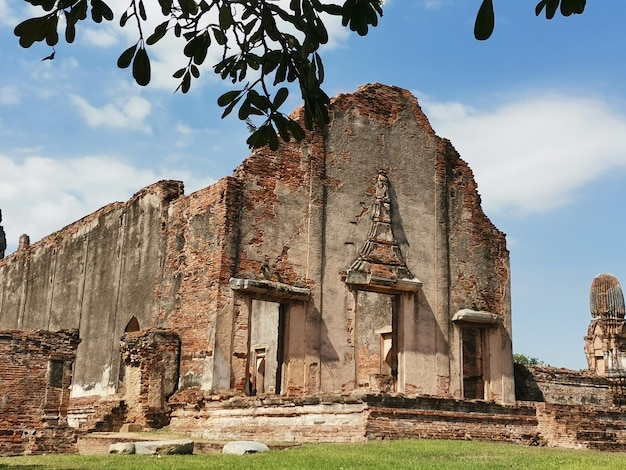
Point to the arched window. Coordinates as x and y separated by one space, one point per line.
133 325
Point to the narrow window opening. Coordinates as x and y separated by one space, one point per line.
55 373
258 377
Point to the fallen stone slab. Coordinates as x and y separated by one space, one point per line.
122 448
177 446
244 447
131 427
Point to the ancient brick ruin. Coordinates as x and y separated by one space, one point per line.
35 376
330 290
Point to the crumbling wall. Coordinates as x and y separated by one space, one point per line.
479 270
94 275
561 386
35 376
195 299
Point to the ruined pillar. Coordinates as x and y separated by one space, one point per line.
151 366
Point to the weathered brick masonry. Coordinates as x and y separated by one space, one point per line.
35 375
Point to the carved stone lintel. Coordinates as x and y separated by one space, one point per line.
270 289
467 315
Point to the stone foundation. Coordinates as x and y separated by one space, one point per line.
359 418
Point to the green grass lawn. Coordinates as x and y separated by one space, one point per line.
417 454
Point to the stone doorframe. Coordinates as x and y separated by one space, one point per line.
488 325
292 300
405 292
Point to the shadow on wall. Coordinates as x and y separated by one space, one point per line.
526 388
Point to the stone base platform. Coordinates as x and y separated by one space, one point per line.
363 417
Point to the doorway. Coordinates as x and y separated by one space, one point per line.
266 348
472 339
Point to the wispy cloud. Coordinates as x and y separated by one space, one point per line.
9 95
532 155
129 113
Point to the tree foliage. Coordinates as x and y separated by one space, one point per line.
527 360
486 18
263 45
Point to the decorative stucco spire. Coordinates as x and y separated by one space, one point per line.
606 299
380 263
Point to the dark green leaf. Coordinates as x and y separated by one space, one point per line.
142 11
52 35
230 107
255 140
31 30
70 29
81 10
245 110
569 7
282 125
226 17
47 5
166 6
194 71
62 4
189 7
100 10
186 83
296 130
179 73
158 34
201 48
550 6
141 67
272 138
248 27
126 57
281 96
228 97
485 21
220 37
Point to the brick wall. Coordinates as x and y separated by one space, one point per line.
562 386
35 376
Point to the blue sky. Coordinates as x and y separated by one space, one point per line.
538 111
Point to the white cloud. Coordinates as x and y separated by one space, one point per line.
9 95
433 4
102 37
532 155
8 16
39 195
128 113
